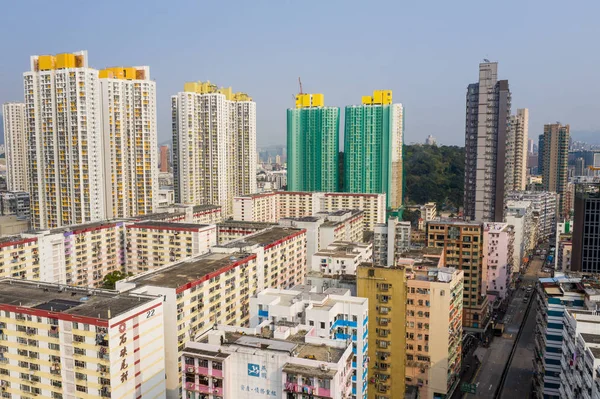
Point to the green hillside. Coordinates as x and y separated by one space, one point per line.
434 174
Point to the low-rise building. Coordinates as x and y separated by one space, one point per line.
230 230
272 206
325 228
341 257
334 314
322 282
15 203
429 211
390 240
60 341
563 245
269 361
204 214
166 196
215 288
151 244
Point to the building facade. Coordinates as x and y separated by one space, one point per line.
164 159
341 257
553 159
545 208
312 145
214 145
434 329
150 245
15 144
70 342
272 206
390 241
465 249
500 258
130 140
385 288
64 131
487 128
586 229
334 314
519 215
373 138
270 361
515 176
16 203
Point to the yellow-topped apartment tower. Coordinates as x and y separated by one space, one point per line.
214 145
64 130
92 140
130 141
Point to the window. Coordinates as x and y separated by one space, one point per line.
322 324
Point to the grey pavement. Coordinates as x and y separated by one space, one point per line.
495 357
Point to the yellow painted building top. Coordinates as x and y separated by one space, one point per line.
59 61
307 100
380 97
208 88
126 73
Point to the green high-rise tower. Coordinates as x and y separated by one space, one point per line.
312 145
373 147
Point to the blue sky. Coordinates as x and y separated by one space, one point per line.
425 51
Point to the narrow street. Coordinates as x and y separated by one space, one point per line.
495 357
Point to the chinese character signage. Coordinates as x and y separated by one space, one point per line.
262 391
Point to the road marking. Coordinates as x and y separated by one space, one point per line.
490 388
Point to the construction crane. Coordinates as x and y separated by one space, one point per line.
300 84
591 167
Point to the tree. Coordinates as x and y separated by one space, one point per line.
434 174
110 280
411 216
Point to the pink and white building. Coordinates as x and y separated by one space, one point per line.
500 248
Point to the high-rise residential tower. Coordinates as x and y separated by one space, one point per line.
586 229
515 174
64 132
214 145
15 141
373 133
312 145
553 159
164 158
487 127
129 127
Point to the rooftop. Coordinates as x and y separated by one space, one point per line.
159 216
200 208
76 301
157 225
343 249
241 223
262 238
188 271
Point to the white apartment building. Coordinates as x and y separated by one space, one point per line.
63 124
545 206
341 257
327 227
231 230
500 238
334 314
16 148
59 341
429 211
519 214
215 288
515 173
580 360
130 141
224 164
270 207
151 244
279 361
390 241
